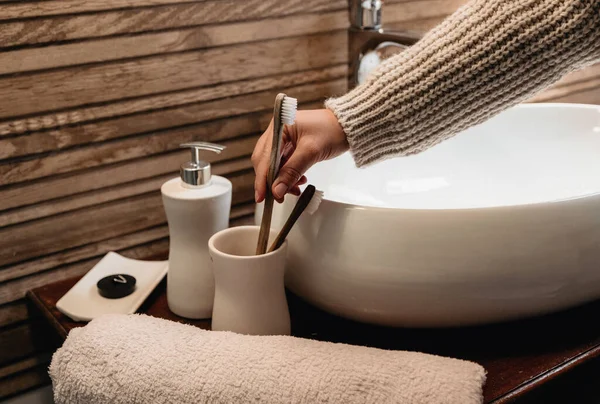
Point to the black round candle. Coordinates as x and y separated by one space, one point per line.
116 286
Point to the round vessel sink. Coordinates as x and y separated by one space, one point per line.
498 223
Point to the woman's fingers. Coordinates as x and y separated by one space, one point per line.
292 171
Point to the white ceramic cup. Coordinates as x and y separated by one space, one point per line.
249 289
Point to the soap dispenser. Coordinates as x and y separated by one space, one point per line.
197 206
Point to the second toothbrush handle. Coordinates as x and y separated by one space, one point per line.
302 203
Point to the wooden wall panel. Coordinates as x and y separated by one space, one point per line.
133 78
97 96
32 375
48 27
71 117
39 360
153 121
57 7
12 313
115 48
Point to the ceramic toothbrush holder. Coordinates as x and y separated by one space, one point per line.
249 289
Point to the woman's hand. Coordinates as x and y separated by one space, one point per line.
315 136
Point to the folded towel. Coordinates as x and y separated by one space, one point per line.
140 359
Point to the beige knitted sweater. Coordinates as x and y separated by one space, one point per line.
486 57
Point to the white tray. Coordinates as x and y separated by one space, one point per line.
83 302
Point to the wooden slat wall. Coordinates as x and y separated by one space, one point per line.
97 96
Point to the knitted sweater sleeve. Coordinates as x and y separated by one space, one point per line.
486 57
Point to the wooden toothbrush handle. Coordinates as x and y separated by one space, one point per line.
302 203
265 225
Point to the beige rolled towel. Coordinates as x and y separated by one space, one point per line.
140 359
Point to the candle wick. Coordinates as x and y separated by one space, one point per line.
120 279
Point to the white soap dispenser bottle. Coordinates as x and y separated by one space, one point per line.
197 206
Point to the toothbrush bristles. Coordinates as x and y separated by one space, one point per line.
289 107
314 203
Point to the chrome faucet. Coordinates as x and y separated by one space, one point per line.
368 42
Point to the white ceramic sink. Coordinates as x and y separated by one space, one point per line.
498 223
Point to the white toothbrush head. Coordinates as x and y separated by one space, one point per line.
315 201
289 106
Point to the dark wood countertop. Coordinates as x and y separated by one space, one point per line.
519 357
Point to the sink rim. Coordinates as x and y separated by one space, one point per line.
524 205
531 205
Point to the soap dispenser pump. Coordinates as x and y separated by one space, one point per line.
197 205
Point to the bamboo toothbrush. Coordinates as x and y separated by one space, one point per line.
284 112
309 201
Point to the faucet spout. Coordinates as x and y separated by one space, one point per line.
365 14
368 43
